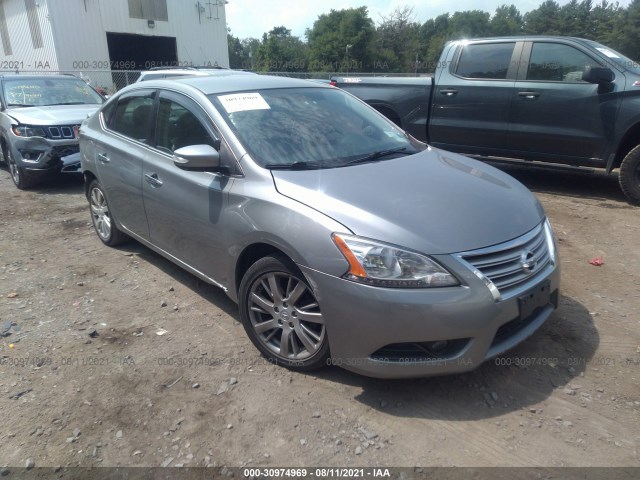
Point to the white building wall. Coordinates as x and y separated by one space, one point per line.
81 44
24 56
81 39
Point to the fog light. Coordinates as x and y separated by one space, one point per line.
435 347
30 155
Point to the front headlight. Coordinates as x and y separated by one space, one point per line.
28 131
381 265
551 243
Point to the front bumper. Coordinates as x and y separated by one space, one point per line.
43 156
368 327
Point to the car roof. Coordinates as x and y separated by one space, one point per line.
234 83
522 38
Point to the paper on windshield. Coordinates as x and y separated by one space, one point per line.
243 102
608 53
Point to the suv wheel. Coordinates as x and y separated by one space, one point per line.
630 175
18 174
101 217
281 315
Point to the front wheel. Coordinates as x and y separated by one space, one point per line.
281 315
102 218
630 176
18 174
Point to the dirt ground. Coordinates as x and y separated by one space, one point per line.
89 380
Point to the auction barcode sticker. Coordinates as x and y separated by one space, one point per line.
243 102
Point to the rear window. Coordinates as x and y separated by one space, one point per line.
489 60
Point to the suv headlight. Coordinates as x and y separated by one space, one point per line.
377 264
28 131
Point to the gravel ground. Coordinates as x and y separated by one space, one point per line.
123 359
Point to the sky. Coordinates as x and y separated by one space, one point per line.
252 18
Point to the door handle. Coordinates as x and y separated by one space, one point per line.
449 92
103 158
529 95
152 179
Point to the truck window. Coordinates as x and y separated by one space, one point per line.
555 62
488 60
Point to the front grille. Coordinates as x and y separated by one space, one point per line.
64 151
505 265
62 132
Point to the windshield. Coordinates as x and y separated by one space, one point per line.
39 92
616 58
310 127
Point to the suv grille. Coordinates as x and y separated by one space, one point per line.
511 264
60 132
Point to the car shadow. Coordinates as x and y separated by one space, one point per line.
550 360
206 291
61 184
594 185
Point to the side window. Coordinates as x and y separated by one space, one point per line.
178 127
555 62
132 117
488 60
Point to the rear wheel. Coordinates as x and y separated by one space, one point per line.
630 176
101 217
281 315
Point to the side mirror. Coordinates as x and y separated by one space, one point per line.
197 157
599 75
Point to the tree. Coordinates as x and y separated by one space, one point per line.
341 39
469 24
433 35
397 41
627 37
235 51
279 51
544 20
507 20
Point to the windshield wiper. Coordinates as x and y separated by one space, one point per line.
293 166
19 105
377 155
68 103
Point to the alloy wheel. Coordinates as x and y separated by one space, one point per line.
286 317
100 214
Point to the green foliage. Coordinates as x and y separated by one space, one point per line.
341 40
349 40
279 51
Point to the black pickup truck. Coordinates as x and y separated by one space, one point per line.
560 100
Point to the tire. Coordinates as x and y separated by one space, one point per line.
281 315
629 176
18 174
101 217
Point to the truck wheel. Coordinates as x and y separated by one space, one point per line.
281 315
630 176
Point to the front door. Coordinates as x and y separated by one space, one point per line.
553 111
185 208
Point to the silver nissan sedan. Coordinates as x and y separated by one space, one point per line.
343 240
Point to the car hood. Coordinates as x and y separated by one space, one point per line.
434 202
53 115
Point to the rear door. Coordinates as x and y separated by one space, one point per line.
185 208
120 153
555 115
471 98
